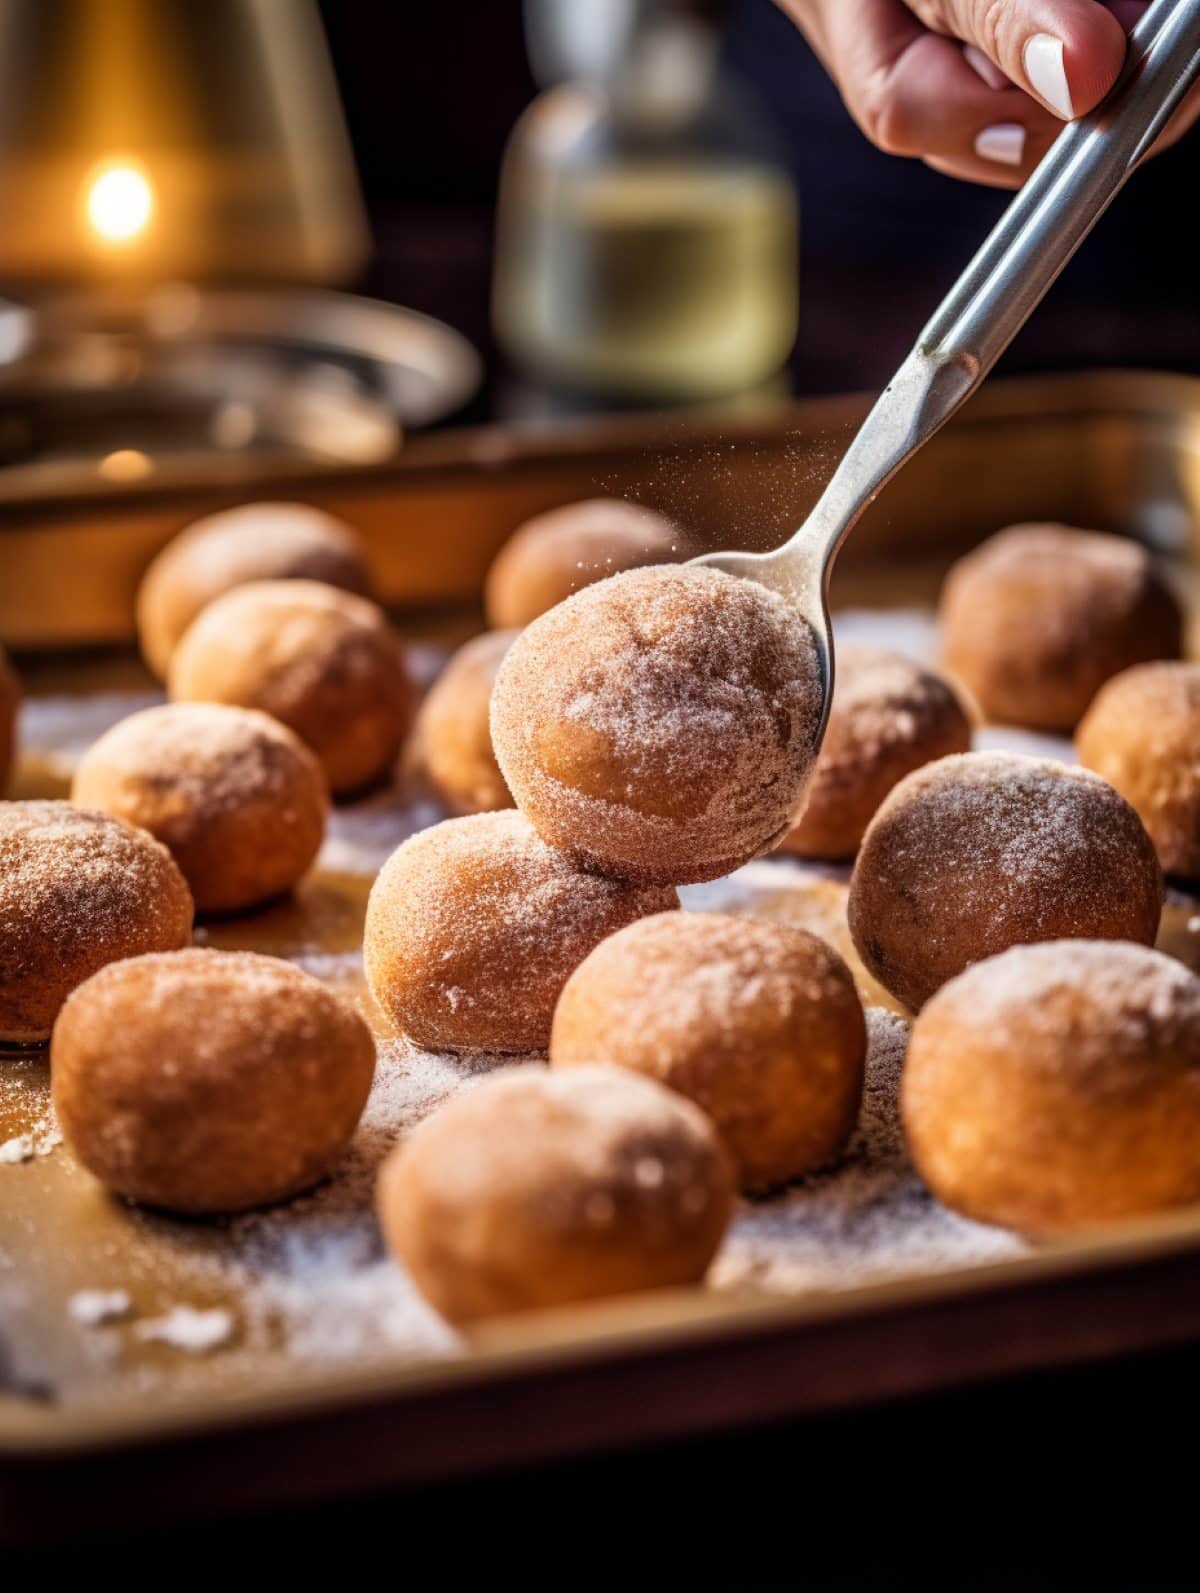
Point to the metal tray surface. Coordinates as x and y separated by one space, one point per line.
325 1372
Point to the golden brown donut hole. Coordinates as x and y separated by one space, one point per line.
325 663
557 553
236 797
889 716
474 926
987 850
452 739
661 725
209 1081
1142 734
1056 1087
255 542
1037 619
535 1189
758 1023
77 890
10 703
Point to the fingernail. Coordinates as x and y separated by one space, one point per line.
1047 72
985 67
1005 142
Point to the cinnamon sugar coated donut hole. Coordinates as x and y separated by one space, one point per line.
474 926
325 663
557 553
453 737
536 1189
236 797
209 1081
77 890
1057 1087
661 725
10 702
256 542
1142 734
758 1023
1040 616
889 716
977 853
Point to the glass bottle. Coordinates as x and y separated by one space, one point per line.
646 234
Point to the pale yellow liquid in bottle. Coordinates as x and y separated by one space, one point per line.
652 278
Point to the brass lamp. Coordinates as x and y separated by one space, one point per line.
151 139
175 183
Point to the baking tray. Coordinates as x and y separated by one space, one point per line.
1120 451
142 1427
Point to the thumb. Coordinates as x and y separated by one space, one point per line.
1065 53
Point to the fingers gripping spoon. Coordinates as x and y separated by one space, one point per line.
1082 172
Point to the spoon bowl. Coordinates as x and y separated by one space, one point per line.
804 581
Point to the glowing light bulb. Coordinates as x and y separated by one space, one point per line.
125 464
120 202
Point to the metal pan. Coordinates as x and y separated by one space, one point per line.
1117 451
154 1433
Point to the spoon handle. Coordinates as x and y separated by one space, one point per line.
1053 213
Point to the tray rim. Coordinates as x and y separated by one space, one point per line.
495 446
520 1349
615 1332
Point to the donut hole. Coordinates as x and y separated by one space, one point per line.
237 798
661 725
474 926
536 1189
452 739
1142 734
255 542
1056 1087
78 890
889 716
269 1073
1035 621
326 663
10 703
559 552
758 1023
979 852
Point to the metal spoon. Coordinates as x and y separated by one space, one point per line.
1082 172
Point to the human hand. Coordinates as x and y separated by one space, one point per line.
977 89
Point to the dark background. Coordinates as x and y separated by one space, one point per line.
432 90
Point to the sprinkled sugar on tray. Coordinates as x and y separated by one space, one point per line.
129 1300
284 1341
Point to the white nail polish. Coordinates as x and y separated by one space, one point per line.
1005 142
985 67
1047 72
